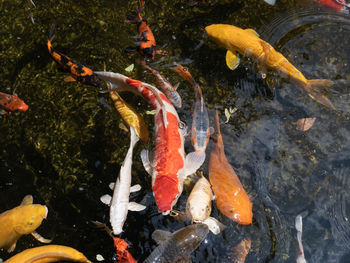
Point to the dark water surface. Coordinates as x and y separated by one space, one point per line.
68 146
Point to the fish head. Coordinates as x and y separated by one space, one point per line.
29 217
218 33
17 105
166 193
199 211
239 209
183 72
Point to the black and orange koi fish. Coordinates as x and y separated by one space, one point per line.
11 103
77 71
147 43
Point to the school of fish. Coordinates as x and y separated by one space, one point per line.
168 165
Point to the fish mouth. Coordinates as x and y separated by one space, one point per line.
165 213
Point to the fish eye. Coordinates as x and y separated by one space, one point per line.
181 125
31 222
185 69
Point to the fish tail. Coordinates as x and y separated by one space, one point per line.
51 34
136 17
315 89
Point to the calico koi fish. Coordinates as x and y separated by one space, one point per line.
129 115
11 103
49 253
147 43
167 88
77 71
119 203
231 199
21 220
200 120
170 166
248 43
338 5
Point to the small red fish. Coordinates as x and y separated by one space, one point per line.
338 5
147 43
77 71
11 103
123 255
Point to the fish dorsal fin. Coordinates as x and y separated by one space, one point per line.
27 200
160 236
252 31
232 60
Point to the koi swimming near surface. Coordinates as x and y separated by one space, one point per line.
147 44
11 103
170 165
77 71
248 43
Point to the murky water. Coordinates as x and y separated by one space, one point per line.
68 146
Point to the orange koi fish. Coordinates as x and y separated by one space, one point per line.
147 43
231 199
11 103
49 253
77 71
21 220
248 43
241 251
170 165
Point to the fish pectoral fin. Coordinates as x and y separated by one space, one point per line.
106 199
111 186
214 225
40 238
193 162
232 60
27 200
177 85
135 206
252 31
11 248
135 188
69 79
146 162
160 236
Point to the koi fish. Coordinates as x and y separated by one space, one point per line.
21 220
177 246
241 251
231 199
129 115
337 5
147 43
11 103
77 71
248 43
49 253
167 88
119 203
200 120
299 228
170 166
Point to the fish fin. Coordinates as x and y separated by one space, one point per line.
160 236
270 2
146 163
193 162
161 52
135 206
69 79
214 225
11 248
40 238
315 88
135 188
133 137
111 186
252 31
211 131
232 60
131 49
27 200
106 199
51 34
177 85
3 112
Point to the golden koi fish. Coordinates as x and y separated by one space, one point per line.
21 220
247 43
49 253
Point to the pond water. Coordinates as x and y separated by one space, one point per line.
68 146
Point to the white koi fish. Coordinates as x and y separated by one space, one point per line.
119 203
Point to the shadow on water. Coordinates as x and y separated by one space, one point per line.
68 146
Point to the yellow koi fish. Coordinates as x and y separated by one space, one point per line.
247 43
49 253
21 220
129 115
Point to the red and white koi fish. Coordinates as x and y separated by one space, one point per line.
200 120
170 166
167 88
119 203
11 103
